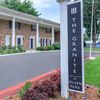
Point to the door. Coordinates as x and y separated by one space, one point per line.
32 43
18 41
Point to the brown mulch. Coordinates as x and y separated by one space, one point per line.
91 93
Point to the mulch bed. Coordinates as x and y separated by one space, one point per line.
91 93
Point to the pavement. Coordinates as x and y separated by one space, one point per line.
17 68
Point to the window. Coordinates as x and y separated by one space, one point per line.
33 27
17 25
10 24
48 30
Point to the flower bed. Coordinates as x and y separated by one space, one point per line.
49 89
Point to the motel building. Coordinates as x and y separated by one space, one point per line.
17 28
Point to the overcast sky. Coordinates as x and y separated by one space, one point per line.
49 9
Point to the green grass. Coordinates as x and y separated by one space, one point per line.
93 49
92 72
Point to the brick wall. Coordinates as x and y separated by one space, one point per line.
25 31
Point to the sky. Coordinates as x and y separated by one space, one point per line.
49 9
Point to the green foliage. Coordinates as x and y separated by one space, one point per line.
56 45
25 6
21 48
44 48
50 48
96 18
24 89
9 49
86 37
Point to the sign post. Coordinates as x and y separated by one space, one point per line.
72 54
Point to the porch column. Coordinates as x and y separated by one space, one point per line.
53 35
37 35
13 32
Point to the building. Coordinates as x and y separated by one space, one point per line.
17 28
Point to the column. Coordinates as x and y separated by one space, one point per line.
53 35
37 35
13 32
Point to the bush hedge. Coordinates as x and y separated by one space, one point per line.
9 49
43 90
55 46
44 48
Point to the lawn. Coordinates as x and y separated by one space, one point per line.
93 49
92 72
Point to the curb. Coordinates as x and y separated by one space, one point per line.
14 54
13 90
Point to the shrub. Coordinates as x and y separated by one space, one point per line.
56 45
44 89
24 89
4 47
21 48
41 48
9 49
50 48
44 48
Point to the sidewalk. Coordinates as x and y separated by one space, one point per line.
28 52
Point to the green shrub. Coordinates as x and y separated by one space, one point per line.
9 49
45 48
24 89
21 48
50 48
4 47
39 48
56 45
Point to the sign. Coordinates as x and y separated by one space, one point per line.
75 49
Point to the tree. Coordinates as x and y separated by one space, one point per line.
25 6
96 19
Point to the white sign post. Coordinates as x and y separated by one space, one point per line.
72 54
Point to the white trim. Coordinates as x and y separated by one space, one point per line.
7 40
53 35
37 36
13 32
32 37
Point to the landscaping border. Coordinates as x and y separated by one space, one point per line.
13 90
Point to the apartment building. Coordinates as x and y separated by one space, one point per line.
17 28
